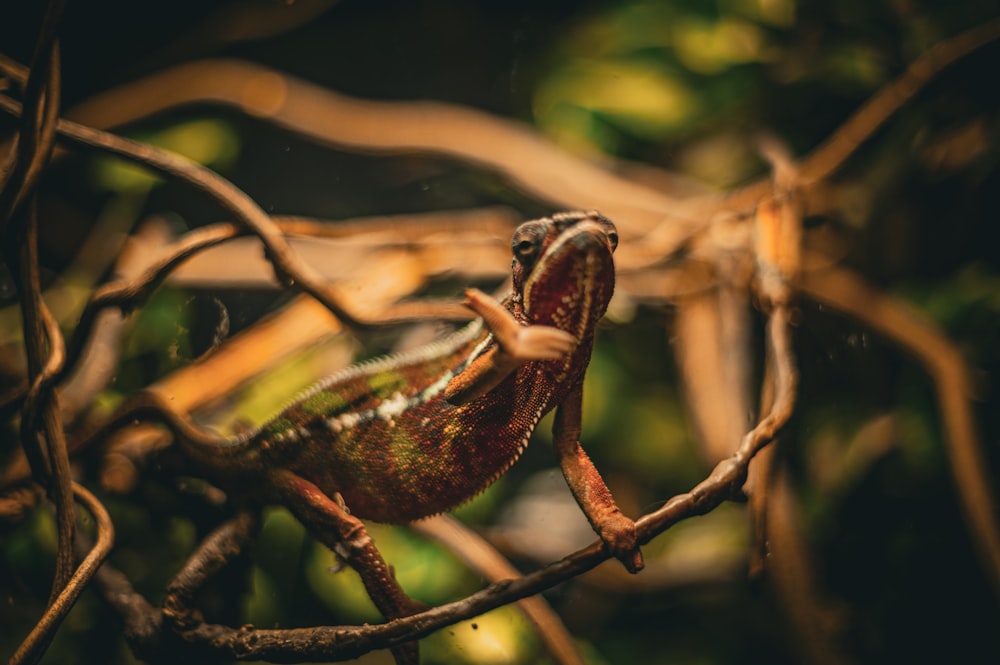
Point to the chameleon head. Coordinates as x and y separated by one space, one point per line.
563 271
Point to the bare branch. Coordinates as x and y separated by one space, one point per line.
833 152
288 267
35 644
849 293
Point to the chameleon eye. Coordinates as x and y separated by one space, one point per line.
527 243
524 249
613 239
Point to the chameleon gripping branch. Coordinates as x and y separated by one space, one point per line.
415 434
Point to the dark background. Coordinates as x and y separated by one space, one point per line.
889 544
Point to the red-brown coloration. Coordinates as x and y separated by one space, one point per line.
412 435
387 437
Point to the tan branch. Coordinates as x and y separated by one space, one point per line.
288 267
850 294
522 155
833 152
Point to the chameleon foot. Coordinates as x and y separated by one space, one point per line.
520 343
619 536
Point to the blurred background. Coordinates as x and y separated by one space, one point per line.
683 86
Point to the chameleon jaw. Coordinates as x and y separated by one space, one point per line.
573 281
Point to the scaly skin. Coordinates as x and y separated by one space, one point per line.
408 436
389 437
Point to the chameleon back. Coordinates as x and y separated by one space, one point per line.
383 436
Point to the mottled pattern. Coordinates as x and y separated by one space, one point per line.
381 434
428 459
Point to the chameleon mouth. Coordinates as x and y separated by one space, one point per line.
573 282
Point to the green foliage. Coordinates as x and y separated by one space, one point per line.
500 637
970 296
642 423
432 575
428 572
210 142
160 333
651 70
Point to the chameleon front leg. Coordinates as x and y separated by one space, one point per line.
347 537
516 344
615 529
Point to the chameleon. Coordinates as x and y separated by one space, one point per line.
413 434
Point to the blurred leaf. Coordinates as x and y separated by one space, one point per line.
282 538
209 142
641 97
650 70
779 13
276 575
622 29
713 47
262 606
855 66
426 571
654 440
339 588
162 329
920 440
973 287
33 543
712 543
500 637
181 534
484 504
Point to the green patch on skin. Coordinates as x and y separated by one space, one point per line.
323 403
386 383
277 426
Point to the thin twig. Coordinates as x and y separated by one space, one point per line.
132 292
35 644
288 267
534 164
830 155
212 555
834 151
330 118
36 139
41 420
721 484
43 340
731 472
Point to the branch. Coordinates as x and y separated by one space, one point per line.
850 294
333 119
832 153
129 293
38 640
41 428
147 634
483 558
288 267
35 140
